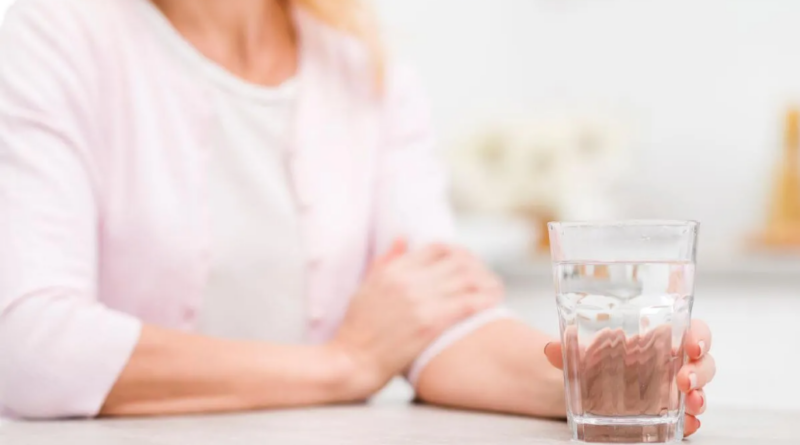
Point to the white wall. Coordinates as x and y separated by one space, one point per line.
702 83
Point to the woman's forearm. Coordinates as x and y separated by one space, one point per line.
499 367
171 372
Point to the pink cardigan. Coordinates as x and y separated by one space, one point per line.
103 216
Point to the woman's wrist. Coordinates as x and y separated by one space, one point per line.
349 379
306 375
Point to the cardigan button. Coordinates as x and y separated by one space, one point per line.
316 319
189 313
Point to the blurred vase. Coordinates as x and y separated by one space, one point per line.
783 223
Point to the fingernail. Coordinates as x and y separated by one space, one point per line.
702 345
546 346
702 402
692 380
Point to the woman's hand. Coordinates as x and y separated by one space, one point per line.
696 374
691 378
405 302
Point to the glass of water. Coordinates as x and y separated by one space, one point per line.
624 293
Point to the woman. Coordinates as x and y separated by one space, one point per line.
214 206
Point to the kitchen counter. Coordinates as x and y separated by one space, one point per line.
384 424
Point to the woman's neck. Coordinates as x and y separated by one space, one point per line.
254 39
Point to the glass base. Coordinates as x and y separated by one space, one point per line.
630 430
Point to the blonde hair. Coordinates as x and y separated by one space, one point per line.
356 18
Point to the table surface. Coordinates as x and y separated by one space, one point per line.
383 424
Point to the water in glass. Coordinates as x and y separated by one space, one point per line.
623 326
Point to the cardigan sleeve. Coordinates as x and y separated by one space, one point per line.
412 199
61 351
412 195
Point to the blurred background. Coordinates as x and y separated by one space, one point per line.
607 109
612 109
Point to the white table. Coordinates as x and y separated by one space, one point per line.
381 424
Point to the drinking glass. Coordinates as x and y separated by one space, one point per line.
624 292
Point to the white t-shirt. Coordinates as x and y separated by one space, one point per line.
256 281
255 286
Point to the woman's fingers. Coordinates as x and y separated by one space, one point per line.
696 402
426 256
485 279
450 275
398 248
552 351
696 374
690 425
488 284
695 405
461 272
452 310
698 340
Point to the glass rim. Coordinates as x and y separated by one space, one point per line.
627 223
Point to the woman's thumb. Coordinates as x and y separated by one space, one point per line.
398 248
552 351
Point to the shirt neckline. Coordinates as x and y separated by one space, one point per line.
197 62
